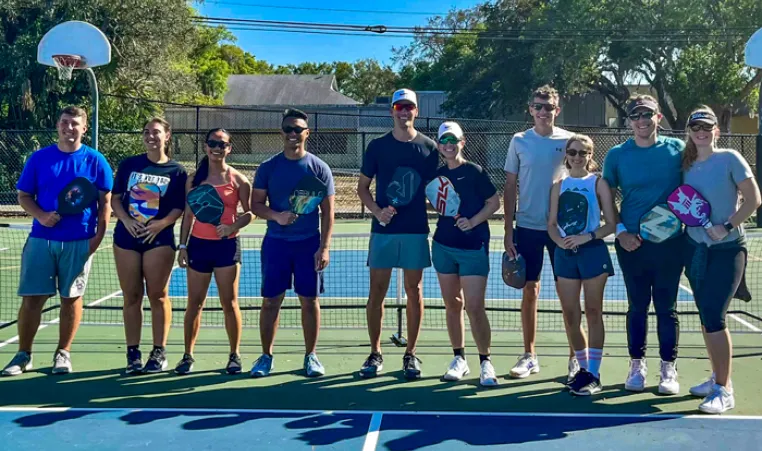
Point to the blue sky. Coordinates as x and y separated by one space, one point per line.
293 48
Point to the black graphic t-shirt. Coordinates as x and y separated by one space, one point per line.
383 156
150 190
474 187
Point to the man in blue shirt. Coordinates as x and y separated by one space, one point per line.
58 252
646 169
295 247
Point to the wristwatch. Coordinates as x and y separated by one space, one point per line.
182 246
728 226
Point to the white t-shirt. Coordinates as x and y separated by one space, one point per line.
539 162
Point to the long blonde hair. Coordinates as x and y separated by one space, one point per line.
690 154
589 146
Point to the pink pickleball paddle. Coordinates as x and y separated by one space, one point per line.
690 207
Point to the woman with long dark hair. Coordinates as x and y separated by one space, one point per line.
215 249
149 197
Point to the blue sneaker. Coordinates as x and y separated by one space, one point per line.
157 362
134 361
372 366
312 365
262 366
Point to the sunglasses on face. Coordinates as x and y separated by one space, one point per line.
642 114
288 129
449 139
404 107
575 152
212 143
540 106
699 127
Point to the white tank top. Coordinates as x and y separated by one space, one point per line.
585 186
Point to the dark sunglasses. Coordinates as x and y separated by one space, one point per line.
449 139
642 114
212 143
288 129
699 127
404 107
545 106
575 152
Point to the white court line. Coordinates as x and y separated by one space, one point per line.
740 320
374 429
389 412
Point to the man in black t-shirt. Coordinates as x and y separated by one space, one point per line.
399 236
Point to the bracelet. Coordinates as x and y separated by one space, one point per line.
182 246
620 228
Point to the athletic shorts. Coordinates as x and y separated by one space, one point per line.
123 240
531 245
45 263
591 260
463 262
206 255
286 261
406 251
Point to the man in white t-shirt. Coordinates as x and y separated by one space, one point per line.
535 160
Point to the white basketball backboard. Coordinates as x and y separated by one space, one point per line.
753 54
75 38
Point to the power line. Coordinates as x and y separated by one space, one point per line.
337 10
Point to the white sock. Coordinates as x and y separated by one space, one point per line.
595 361
581 358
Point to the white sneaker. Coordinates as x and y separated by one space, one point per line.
636 378
526 365
487 377
668 384
61 362
719 401
703 389
458 368
573 369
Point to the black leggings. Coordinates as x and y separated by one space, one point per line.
652 270
724 270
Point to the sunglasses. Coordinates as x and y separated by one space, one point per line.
404 107
212 143
642 114
545 106
699 127
449 139
575 152
288 129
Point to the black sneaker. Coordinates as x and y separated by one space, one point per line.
411 365
585 384
185 365
157 362
372 366
134 362
234 364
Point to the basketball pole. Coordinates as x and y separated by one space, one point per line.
759 147
93 82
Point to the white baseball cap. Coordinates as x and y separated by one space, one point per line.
404 94
450 128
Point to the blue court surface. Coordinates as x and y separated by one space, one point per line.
170 429
347 278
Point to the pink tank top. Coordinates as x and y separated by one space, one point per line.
229 194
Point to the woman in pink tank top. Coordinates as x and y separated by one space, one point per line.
215 249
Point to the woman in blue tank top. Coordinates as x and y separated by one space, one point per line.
582 258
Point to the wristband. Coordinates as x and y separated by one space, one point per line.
182 246
620 228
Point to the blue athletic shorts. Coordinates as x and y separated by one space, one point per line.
124 240
531 244
590 261
286 261
406 251
206 255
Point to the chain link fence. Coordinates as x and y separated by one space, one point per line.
338 135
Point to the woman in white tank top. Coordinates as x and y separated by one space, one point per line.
582 259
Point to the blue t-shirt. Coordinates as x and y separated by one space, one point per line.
645 175
474 187
381 159
279 176
48 171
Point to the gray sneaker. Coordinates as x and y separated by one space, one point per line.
262 366
61 362
20 363
312 366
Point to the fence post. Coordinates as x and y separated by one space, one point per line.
362 153
316 121
758 156
195 151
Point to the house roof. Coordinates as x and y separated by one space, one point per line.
250 90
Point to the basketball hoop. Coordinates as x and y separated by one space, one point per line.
67 63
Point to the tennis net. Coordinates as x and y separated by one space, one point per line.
346 291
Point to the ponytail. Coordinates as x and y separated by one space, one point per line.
201 173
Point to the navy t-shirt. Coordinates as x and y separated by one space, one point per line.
279 176
381 159
474 187
150 190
